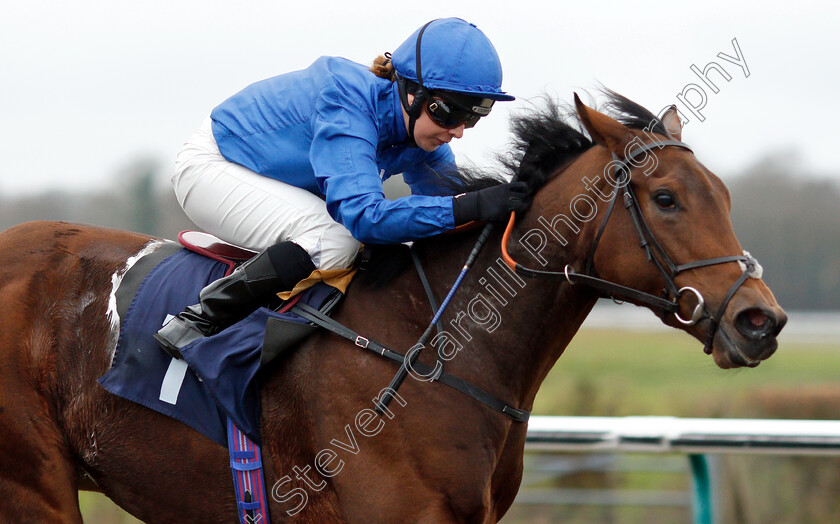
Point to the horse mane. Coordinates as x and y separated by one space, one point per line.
551 136
544 139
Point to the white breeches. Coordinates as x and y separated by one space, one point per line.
253 211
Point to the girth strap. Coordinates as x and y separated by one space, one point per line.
248 479
315 316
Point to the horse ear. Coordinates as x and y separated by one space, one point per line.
603 129
671 121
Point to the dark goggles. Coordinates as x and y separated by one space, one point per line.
449 112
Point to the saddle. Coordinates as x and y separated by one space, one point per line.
280 333
219 376
215 248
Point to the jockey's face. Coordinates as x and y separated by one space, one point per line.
428 135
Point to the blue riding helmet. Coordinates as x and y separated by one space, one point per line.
454 55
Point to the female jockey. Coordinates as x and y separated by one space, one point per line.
293 166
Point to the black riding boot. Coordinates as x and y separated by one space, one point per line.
232 298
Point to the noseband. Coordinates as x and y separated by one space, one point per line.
671 294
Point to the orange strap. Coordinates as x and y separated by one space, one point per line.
505 237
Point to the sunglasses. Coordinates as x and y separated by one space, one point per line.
449 114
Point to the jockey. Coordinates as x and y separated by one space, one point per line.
293 166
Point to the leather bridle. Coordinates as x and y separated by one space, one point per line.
669 302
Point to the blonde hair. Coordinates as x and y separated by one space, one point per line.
383 67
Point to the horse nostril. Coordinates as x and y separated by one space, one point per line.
754 323
756 317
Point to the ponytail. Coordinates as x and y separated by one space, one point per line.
383 67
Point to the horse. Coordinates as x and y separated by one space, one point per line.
433 454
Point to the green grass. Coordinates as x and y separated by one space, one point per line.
98 509
615 373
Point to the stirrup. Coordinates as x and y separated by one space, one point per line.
176 334
171 350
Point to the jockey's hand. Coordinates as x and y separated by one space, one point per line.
491 204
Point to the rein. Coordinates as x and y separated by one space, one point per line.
655 253
405 361
412 356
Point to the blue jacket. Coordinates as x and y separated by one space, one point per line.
337 130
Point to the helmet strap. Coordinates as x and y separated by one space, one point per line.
414 109
420 94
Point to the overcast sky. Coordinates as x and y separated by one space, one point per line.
87 87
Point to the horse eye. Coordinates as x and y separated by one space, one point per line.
665 200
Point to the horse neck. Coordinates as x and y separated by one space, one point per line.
512 329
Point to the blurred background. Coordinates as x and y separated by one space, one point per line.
97 97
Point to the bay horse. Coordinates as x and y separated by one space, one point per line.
434 455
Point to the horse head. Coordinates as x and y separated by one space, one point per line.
654 230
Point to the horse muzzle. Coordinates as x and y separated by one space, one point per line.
748 336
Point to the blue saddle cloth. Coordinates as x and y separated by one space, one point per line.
219 376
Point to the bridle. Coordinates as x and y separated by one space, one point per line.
669 302
655 254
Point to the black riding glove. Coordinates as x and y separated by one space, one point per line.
491 204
